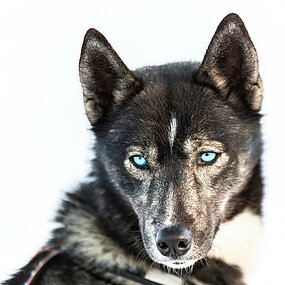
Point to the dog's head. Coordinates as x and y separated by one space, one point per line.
178 141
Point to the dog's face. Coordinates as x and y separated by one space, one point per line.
178 141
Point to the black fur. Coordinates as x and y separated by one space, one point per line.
107 223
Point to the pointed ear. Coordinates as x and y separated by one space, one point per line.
231 65
105 79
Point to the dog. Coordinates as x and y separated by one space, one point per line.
176 185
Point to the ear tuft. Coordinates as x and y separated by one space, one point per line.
231 64
105 79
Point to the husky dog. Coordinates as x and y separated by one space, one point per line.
176 182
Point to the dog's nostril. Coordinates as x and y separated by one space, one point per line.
175 241
163 245
183 244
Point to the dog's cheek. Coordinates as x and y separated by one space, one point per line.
229 184
120 178
139 197
133 190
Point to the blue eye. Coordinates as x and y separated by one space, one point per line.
139 161
208 157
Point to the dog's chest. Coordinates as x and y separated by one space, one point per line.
163 277
168 279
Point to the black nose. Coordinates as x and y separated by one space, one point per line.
174 241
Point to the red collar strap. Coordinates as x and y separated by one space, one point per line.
47 254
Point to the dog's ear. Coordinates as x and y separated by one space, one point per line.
231 65
105 79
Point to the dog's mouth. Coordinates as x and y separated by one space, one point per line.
171 262
178 264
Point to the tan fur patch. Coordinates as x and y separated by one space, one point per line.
92 115
94 244
256 95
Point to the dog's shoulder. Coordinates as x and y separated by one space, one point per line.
84 251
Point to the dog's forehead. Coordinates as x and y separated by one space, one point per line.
171 110
163 118
171 107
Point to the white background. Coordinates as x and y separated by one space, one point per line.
45 142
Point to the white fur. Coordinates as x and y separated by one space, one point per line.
169 207
163 277
173 130
238 242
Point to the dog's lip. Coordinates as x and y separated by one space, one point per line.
178 264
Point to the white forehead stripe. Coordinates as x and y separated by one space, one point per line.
173 130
